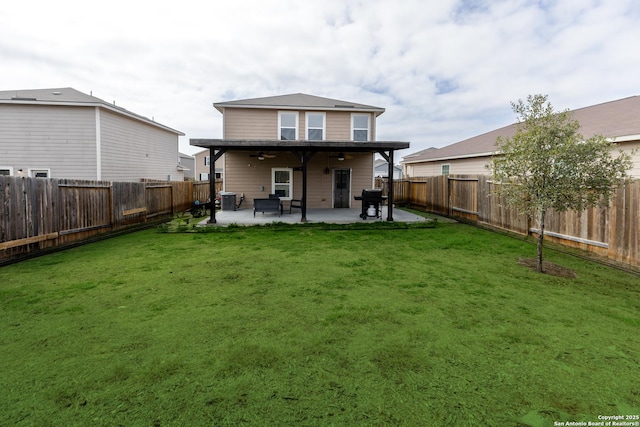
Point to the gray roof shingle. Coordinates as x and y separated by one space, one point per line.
298 101
612 119
69 96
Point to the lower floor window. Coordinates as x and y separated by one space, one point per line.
282 182
6 171
39 173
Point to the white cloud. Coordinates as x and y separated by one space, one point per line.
443 70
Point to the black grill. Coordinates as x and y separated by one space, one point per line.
371 201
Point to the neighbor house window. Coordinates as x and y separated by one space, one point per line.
282 182
360 127
39 173
6 171
287 126
315 126
204 177
445 169
207 160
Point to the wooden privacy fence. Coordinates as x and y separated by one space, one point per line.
38 214
613 231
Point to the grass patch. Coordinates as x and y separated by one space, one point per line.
300 325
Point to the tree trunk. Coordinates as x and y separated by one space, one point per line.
541 216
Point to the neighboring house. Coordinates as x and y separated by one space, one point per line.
64 133
203 166
381 169
188 165
618 120
300 147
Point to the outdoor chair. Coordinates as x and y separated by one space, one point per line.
295 203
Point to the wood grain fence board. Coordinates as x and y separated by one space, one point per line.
612 231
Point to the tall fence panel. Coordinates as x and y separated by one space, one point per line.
612 231
624 225
38 214
463 196
129 203
496 212
84 209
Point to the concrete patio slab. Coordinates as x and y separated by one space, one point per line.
332 216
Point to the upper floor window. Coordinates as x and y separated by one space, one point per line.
207 160
360 127
288 125
315 126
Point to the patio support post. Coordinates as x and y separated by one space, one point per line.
212 185
390 190
303 209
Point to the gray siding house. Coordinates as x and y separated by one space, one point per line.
64 133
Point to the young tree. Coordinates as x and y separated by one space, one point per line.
548 164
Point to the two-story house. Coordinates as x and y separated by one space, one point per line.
300 147
64 133
203 166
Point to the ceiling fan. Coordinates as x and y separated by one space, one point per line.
262 155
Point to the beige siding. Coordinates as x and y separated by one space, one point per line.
628 147
477 165
62 139
201 167
246 123
132 150
338 125
253 124
472 166
252 177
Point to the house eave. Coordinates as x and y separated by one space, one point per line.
301 145
221 107
625 138
445 158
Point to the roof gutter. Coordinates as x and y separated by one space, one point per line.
439 159
378 111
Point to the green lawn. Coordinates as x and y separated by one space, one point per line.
305 326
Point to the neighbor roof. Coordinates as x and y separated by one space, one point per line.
70 97
615 119
298 101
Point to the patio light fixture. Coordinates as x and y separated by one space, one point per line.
340 157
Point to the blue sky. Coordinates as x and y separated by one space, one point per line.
444 71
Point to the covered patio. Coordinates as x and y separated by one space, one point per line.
329 216
304 151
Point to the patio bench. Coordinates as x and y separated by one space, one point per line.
267 205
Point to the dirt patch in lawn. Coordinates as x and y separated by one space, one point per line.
548 268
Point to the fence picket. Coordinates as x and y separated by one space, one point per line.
612 232
38 213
